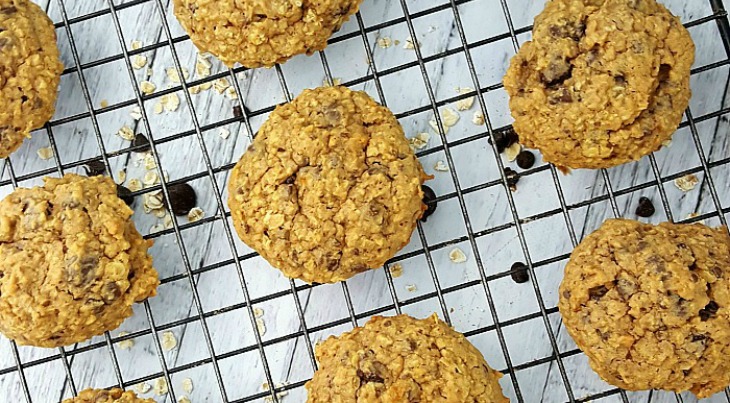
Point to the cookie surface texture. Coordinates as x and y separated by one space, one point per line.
107 396
650 305
402 359
260 33
30 71
329 187
71 262
603 82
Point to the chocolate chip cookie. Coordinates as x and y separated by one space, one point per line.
260 33
71 262
402 359
602 82
107 396
30 71
329 188
650 305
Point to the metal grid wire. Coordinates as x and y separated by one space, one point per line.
557 357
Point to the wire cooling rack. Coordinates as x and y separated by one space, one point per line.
223 344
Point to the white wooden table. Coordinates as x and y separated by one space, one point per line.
476 213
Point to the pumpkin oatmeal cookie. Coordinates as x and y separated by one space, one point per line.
71 262
107 396
260 33
602 82
329 188
650 305
30 71
402 359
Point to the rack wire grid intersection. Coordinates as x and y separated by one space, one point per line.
486 278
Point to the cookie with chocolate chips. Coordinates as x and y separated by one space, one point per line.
602 82
329 188
259 33
650 305
30 71
402 359
72 263
115 395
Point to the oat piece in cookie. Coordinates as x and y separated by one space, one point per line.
402 359
107 396
30 71
260 33
603 82
71 262
329 188
650 305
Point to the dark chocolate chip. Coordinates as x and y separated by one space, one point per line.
620 80
560 95
141 141
525 159
709 311
8 10
519 273
95 168
663 74
369 378
597 293
182 198
504 138
429 199
237 111
512 178
125 194
645 207
698 337
290 180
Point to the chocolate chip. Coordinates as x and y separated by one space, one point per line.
525 159
512 178
290 180
663 74
369 378
558 70
237 111
519 273
574 30
429 199
504 138
597 293
111 292
698 337
182 198
8 10
95 168
141 141
560 95
709 311
125 194
619 80
645 207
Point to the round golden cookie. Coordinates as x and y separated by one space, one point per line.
650 305
115 395
30 71
71 262
402 359
329 188
603 82
260 33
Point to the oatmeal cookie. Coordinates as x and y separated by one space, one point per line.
329 188
30 71
402 359
603 82
71 262
260 33
650 305
115 395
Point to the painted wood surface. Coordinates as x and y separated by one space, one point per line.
474 213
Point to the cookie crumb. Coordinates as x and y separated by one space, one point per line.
466 103
149 162
202 65
224 133
147 87
334 83
411 288
457 255
221 85
170 102
385 42
261 326
183 399
125 344
160 386
440 166
126 133
142 388
478 118
231 93
686 183
410 44
158 108
195 214
135 45
139 61
187 385
45 153
121 177
173 75
512 151
419 141
136 113
151 178
104 103
396 270
134 185
152 201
